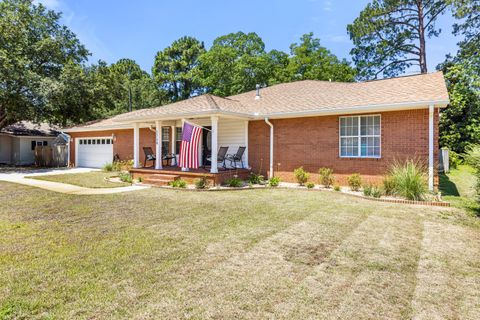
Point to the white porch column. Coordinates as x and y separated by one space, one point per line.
173 146
158 141
245 155
431 112
214 166
174 139
136 145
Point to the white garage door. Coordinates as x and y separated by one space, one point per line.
94 152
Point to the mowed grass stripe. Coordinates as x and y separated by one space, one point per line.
370 275
250 284
448 285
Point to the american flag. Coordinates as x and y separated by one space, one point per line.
189 148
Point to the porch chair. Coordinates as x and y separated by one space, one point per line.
149 156
221 157
236 157
172 157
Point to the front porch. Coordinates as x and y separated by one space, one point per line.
217 132
167 174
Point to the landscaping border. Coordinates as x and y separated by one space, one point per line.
386 200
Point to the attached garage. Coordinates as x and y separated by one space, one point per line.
94 152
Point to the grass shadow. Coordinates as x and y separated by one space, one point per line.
447 186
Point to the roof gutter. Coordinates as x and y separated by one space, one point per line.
270 173
359 109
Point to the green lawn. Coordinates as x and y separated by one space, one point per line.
458 187
95 179
254 254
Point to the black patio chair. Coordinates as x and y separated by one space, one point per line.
172 157
149 156
221 157
234 158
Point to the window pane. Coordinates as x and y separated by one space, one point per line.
370 147
349 126
343 124
165 134
178 135
164 147
370 125
349 147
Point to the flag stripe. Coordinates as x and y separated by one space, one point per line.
189 147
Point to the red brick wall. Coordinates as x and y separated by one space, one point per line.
314 143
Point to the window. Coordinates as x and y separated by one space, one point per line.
45 143
165 139
360 136
178 139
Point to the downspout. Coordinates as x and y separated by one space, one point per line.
270 174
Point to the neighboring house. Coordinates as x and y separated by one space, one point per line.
18 141
350 127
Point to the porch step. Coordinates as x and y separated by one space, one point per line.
160 179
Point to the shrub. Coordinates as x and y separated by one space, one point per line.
389 185
178 183
122 165
336 187
376 192
274 182
367 190
201 183
108 167
326 177
254 178
125 177
235 182
140 179
371 190
310 185
301 175
454 159
410 179
354 181
473 156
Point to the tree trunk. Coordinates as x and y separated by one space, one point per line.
421 34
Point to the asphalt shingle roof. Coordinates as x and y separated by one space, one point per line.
302 96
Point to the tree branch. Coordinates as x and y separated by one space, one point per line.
434 16
393 63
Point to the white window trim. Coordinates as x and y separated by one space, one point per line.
359 156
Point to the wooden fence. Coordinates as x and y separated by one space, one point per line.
51 156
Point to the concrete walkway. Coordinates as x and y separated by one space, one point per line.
22 178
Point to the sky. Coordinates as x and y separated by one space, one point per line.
112 30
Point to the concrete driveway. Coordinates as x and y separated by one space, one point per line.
21 176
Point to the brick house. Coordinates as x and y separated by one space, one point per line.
357 127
